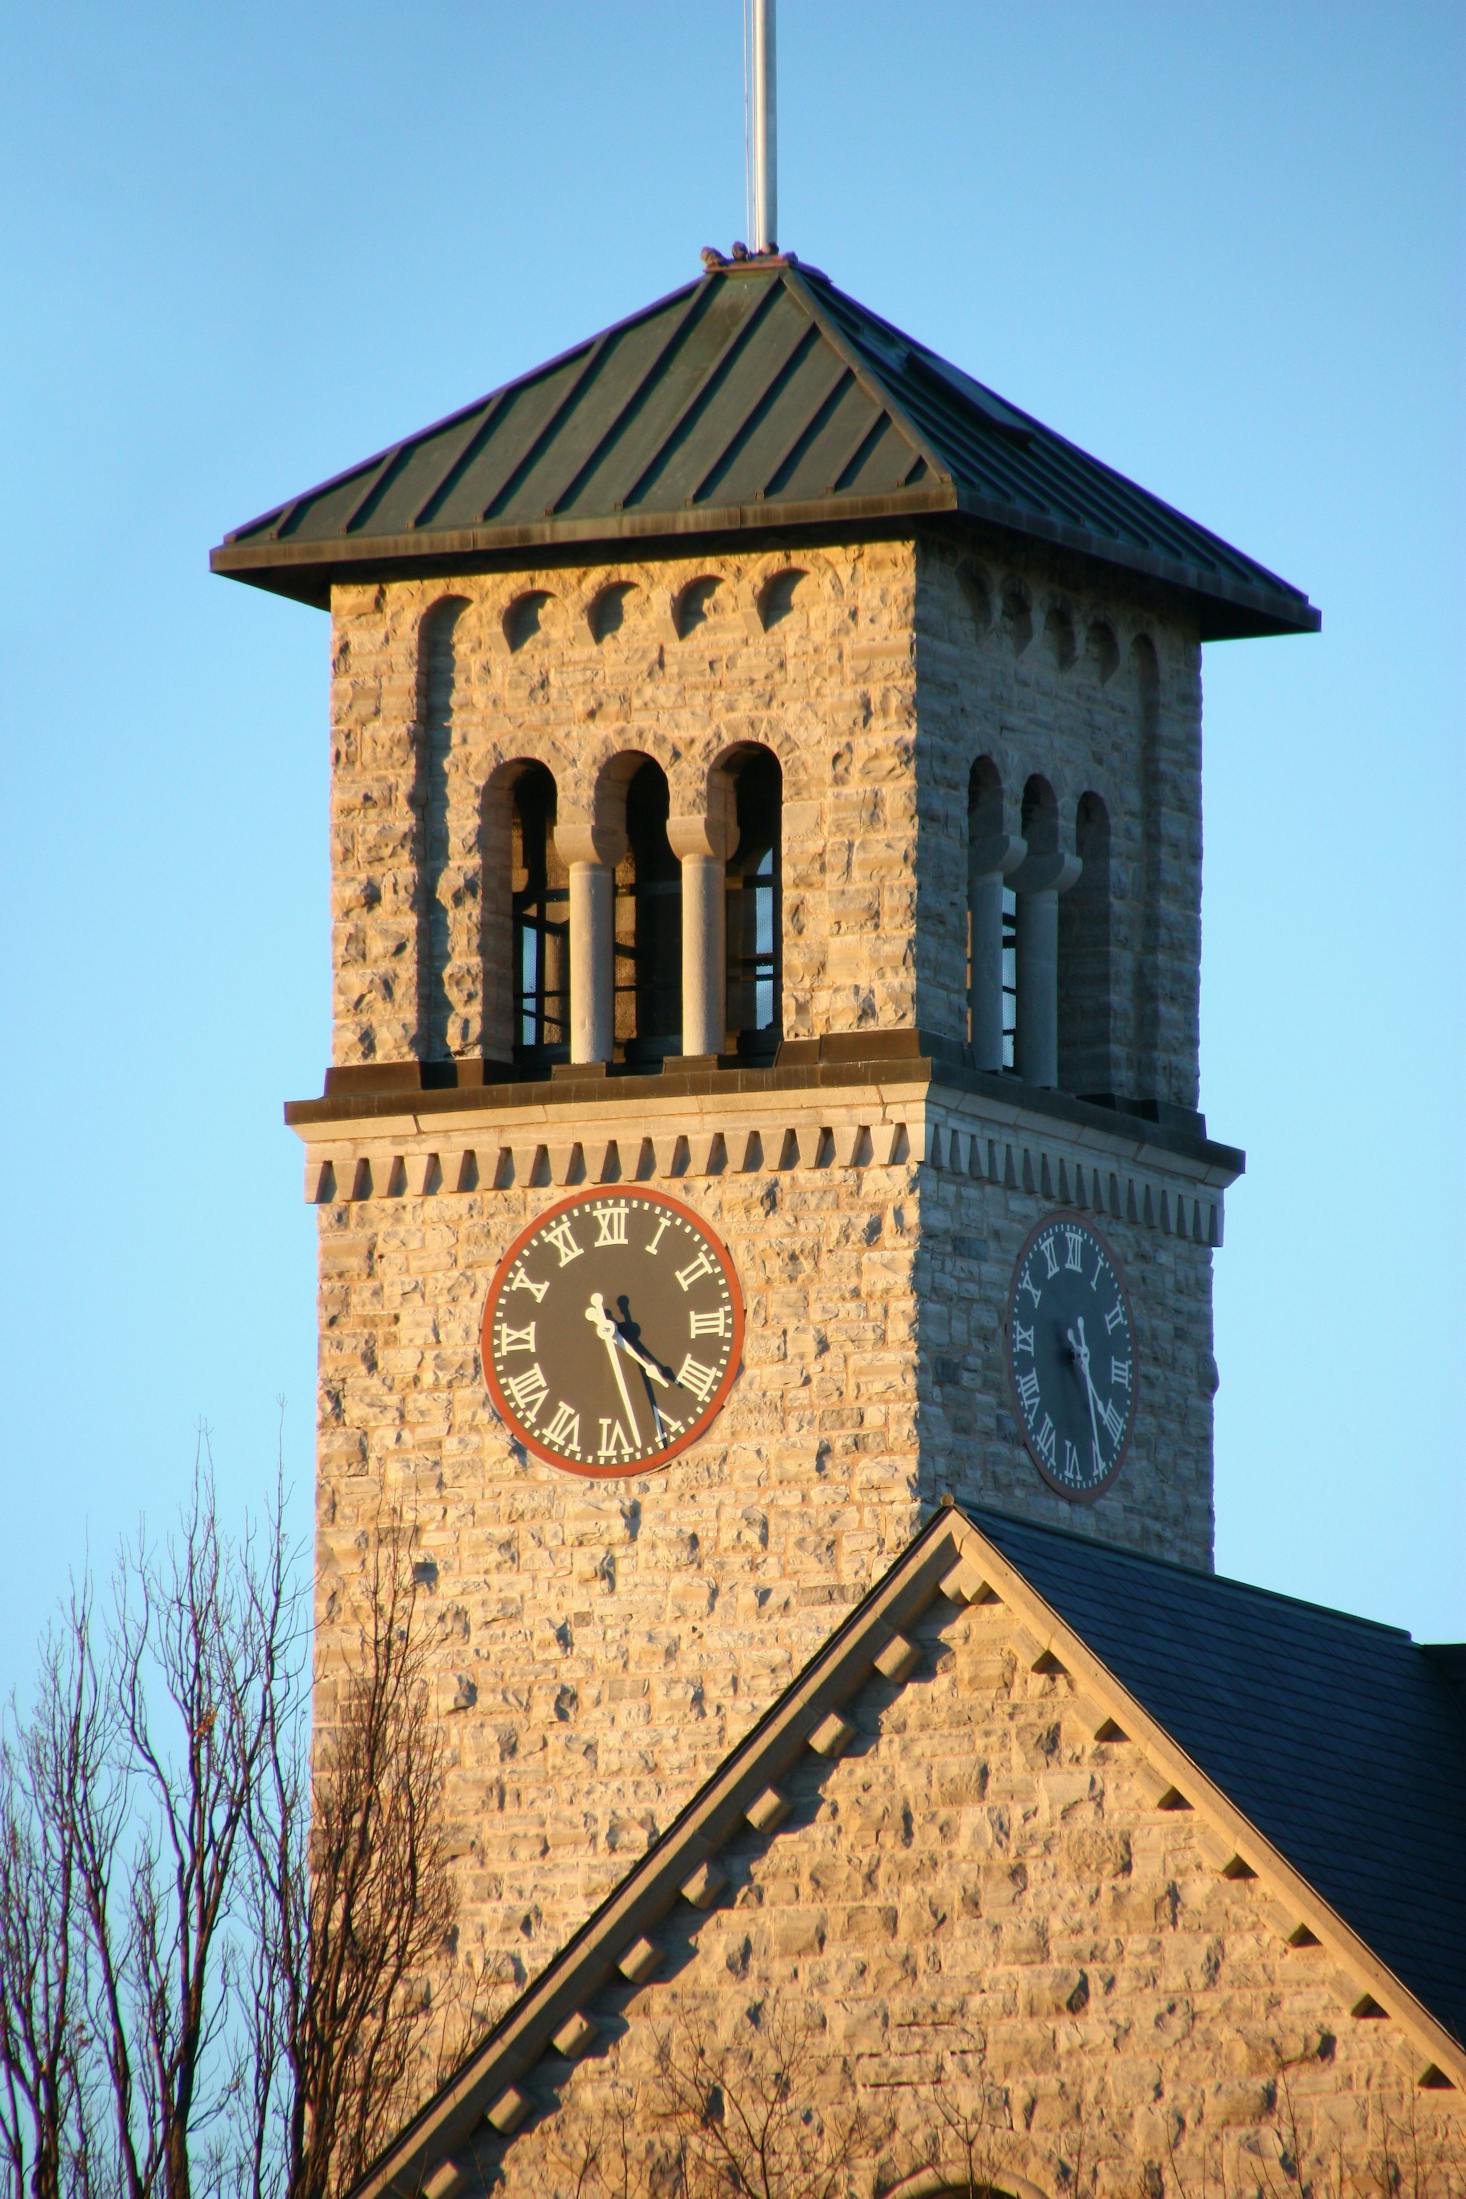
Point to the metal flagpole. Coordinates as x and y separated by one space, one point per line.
765 130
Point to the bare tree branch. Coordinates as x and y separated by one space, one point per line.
212 1954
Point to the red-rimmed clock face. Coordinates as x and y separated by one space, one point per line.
613 1331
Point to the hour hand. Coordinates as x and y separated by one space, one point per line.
609 1329
642 1358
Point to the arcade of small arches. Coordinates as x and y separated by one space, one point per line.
623 932
631 934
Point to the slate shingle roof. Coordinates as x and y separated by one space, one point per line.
760 398
1343 1741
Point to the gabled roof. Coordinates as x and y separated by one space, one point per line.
759 398
1241 1705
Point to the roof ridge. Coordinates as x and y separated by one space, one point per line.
871 381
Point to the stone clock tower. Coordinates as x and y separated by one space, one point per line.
766 796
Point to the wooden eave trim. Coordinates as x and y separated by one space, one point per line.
244 558
1050 1635
285 566
1280 611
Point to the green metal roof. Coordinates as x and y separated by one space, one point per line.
759 398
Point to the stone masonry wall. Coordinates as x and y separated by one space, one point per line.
971 1232
977 1932
604 1643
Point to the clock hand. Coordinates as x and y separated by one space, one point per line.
642 1358
605 1328
1080 1350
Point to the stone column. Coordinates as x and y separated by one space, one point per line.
1038 882
702 845
591 854
990 860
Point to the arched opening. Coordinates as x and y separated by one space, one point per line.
992 979
1035 939
1085 978
755 916
437 695
540 924
1145 673
648 926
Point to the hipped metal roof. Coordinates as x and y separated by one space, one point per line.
758 398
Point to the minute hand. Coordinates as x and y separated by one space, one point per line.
1081 1353
605 1328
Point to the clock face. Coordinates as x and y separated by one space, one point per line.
1071 1356
612 1332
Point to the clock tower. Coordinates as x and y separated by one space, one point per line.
766 842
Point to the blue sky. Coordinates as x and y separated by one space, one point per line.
1221 248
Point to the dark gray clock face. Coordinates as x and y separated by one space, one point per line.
612 1332
1071 1356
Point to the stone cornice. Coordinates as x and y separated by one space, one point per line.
370 1091
659 1130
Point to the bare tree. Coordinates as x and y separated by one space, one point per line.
341 1949
211 1950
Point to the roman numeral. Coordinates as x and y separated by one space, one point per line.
1026 1282
610 1225
1120 1373
663 1225
701 1380
1071 1461
615 1443
527 1392
1114 1421
1047 1440
1074 1250
523 1282
1049 1250
707 1324
564 1430
1028 1392
688 1275
1114 1317
515 1339
562 1238
1022 1338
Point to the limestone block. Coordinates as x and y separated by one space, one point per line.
574 2037
641 1962
768 1810
508 2111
